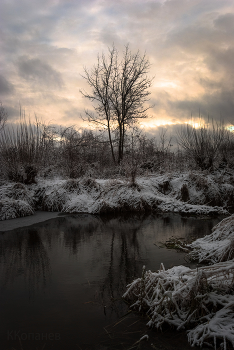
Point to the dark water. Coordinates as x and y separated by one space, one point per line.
62 280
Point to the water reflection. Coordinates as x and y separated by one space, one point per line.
78 228
24 254
124 260
67 275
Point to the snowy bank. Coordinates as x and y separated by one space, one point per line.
216 247
201 300
16 200
180 193
198 299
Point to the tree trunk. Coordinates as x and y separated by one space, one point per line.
111 144
120 155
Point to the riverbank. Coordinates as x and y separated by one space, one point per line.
189 193
201 299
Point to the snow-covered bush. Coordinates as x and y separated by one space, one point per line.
72 185
216 247
182 298
16 200
11 209
17 191
53 198
90 185
199 179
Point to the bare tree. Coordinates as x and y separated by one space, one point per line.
202 144
3 116
119 91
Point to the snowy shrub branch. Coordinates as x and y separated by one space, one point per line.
216 247
185 298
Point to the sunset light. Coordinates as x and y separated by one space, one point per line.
45 47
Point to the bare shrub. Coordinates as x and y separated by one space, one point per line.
203 144
23 150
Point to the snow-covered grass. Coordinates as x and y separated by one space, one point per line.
188 193
16 200
17 191
216 247
198 299
201 300
11 209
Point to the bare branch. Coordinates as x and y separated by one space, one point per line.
119 92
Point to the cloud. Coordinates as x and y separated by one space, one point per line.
6 87
39 72
225 23
190 44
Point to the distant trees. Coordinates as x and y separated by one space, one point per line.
119 91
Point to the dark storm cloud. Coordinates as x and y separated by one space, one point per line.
6 87
33 69
219 105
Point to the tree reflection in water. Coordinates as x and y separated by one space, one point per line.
25 254
124 259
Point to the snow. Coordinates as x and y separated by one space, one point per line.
11 209
216 247
185 298
200 299
160 193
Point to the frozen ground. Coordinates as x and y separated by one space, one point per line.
189 193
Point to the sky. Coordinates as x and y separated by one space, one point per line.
45 45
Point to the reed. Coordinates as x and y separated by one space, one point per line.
22 149
199 299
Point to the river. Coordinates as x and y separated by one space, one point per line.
62 280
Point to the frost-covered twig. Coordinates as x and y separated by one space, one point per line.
216 247
182 297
